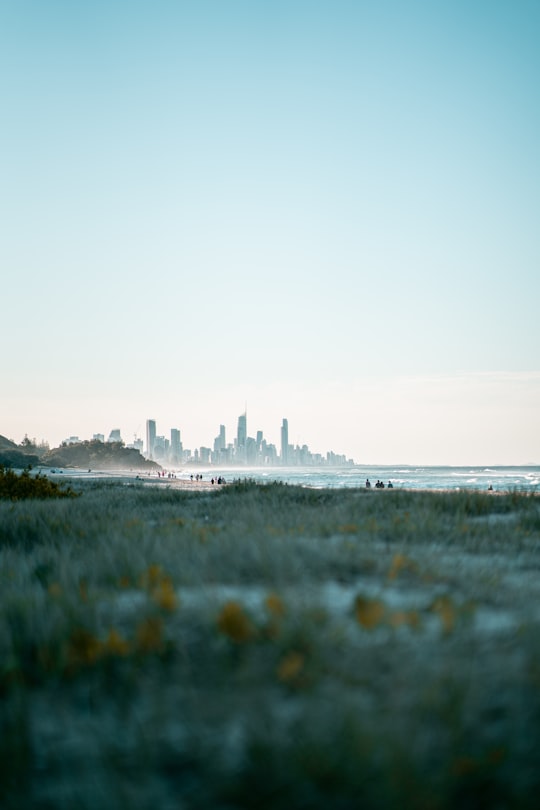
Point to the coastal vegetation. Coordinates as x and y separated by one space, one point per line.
269 646
85 454
97 454
16 487
21 456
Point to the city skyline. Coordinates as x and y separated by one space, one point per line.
244 450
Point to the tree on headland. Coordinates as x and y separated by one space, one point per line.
98 455
32 446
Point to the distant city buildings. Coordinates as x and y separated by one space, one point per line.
245 450
150 437
136 444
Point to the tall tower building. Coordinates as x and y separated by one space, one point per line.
150 437
176 446
285 442
241 434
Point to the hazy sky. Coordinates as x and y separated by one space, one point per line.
328 210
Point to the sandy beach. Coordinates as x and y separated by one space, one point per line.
183 481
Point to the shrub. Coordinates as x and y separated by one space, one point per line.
16 487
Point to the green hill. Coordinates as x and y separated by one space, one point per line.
99 456
7 444
15 455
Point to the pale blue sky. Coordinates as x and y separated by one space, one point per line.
328 209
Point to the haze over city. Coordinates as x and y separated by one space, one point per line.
327 211
241 448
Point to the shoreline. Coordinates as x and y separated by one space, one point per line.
184 481
130 477
444 480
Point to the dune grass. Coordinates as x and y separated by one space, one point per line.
269 646
22 486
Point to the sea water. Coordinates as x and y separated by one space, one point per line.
501 479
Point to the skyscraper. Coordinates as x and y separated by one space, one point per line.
241 435
285 442
150 437
176 446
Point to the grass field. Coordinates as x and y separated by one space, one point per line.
269 647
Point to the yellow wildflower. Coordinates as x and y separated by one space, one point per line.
290 666
151 577
369 612
401 563
274 605
348 528
233 623
115 645
165 596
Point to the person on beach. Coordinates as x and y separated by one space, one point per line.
368 483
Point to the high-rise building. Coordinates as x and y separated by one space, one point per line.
176 446
220 446
114 435
161 448
204 455
285 442
251 450
150 437
241 434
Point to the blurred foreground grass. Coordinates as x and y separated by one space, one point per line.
269 646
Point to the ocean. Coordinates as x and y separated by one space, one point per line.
502 479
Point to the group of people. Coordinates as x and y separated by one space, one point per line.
379 484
